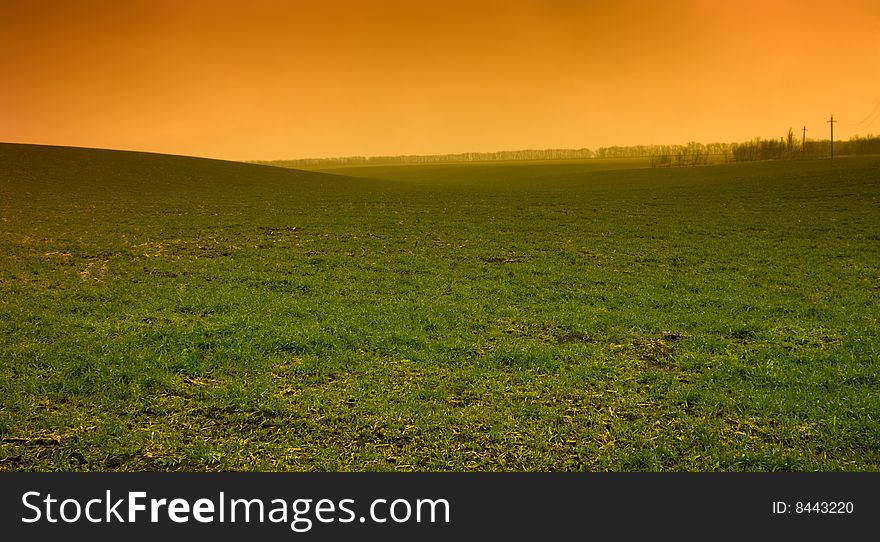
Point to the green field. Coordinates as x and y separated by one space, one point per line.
172 313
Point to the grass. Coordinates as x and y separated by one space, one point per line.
172 313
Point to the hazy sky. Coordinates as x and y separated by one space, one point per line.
264 79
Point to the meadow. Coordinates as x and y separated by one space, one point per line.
172 313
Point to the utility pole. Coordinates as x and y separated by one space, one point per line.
831 121
804 142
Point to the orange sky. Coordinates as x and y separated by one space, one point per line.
276 79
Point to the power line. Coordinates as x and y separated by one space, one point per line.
868 120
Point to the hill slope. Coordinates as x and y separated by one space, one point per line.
36 167
47 190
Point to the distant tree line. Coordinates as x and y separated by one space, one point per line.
869 144
528 154
691 154
788 148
